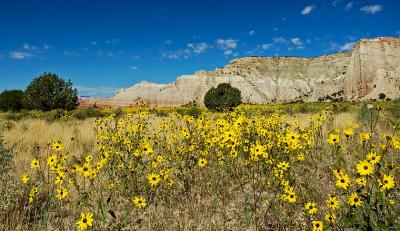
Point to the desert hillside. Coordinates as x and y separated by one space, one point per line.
371 68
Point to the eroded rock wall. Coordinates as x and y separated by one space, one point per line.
373 67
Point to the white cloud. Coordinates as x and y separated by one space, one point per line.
275 29
185 53
20 55
27 46
266 46
135 57
168 42
93 43
198 48
46 46
297 41
134 67
252 32
227 43
71 53
349 5
308 9
112 41
228 46
371 9
96 91
347 46
279 40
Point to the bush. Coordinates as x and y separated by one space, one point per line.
49 92
11 100
90 112
223 97
382 96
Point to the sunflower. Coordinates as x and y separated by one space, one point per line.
361 181
355 200
330 218
317 225
52 160
62 193
57 146
85 221
333 138
365 168
202 162
24 178
139 201
35 164
387 182
86 169
59 179
153 179
343 181
373 158
311 207
332 202
291 197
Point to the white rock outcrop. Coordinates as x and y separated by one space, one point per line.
371 68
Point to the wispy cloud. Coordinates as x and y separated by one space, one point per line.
71 53
347 46
96 91
341 47
28 51
113 41
371 9
308 9
280 40
297 42
228 46
187 52
252 32
47 46
349 6
198 48
134 67
260 49
19 55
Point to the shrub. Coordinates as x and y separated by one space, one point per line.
382 96
90 112
223 97
49 92
11 100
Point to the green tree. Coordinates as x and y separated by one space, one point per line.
48 92
11 100
222 98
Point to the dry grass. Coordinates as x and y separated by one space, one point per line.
214 202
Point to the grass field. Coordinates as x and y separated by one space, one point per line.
268 167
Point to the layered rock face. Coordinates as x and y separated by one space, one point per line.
373 67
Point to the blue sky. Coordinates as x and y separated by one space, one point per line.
106 45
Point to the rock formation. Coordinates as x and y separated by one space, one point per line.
371 68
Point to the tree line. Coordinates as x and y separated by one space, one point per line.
46 92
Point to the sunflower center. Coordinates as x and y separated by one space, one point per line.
84 220
342 180
356 199
385 181
366 167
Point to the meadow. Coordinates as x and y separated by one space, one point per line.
305 166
